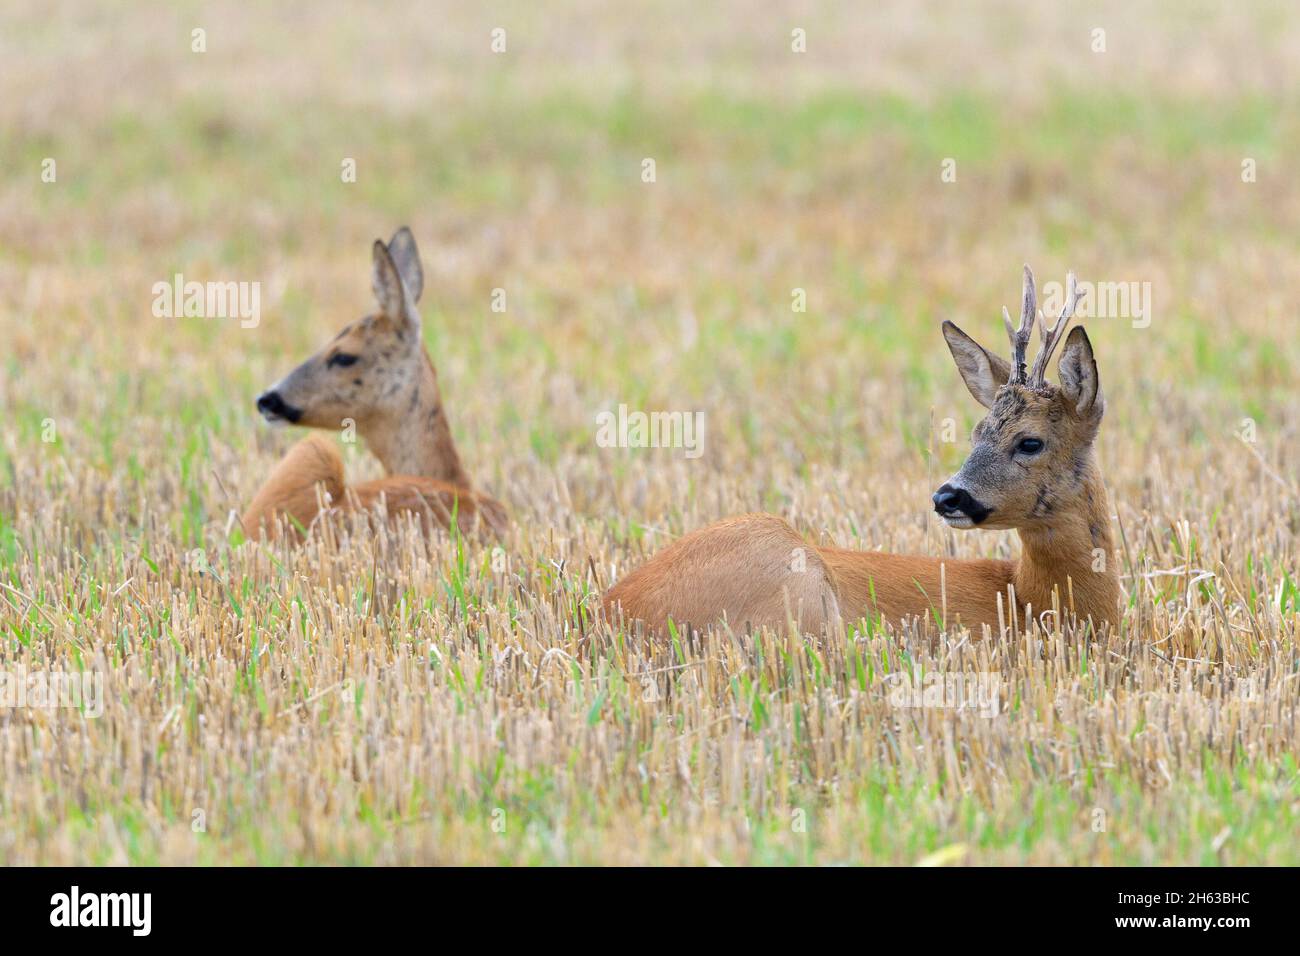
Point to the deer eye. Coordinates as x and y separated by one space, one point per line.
341 359
1029 446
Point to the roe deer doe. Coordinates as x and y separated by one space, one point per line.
1032 467
377 373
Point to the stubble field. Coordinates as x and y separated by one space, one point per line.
376 697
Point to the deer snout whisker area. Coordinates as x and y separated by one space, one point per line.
275 409
958 507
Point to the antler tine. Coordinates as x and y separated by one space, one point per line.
1020 337
1052 336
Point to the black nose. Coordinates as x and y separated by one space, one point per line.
272 406
948 499
270 403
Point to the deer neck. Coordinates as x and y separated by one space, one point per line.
1073 553
418 441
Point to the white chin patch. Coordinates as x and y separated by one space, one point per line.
958 521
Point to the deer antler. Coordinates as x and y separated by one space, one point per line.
1020 337
1052 336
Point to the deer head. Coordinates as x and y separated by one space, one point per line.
1032 454
370 370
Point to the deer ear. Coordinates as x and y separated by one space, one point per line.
407 259
982 371
390 292
1078 373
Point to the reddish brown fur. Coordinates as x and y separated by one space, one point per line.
312 468
739 569
746 570
743 569
312 473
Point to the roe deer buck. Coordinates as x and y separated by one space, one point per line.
1032 467
377 373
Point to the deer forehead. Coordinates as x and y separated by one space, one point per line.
1018 409
368 334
